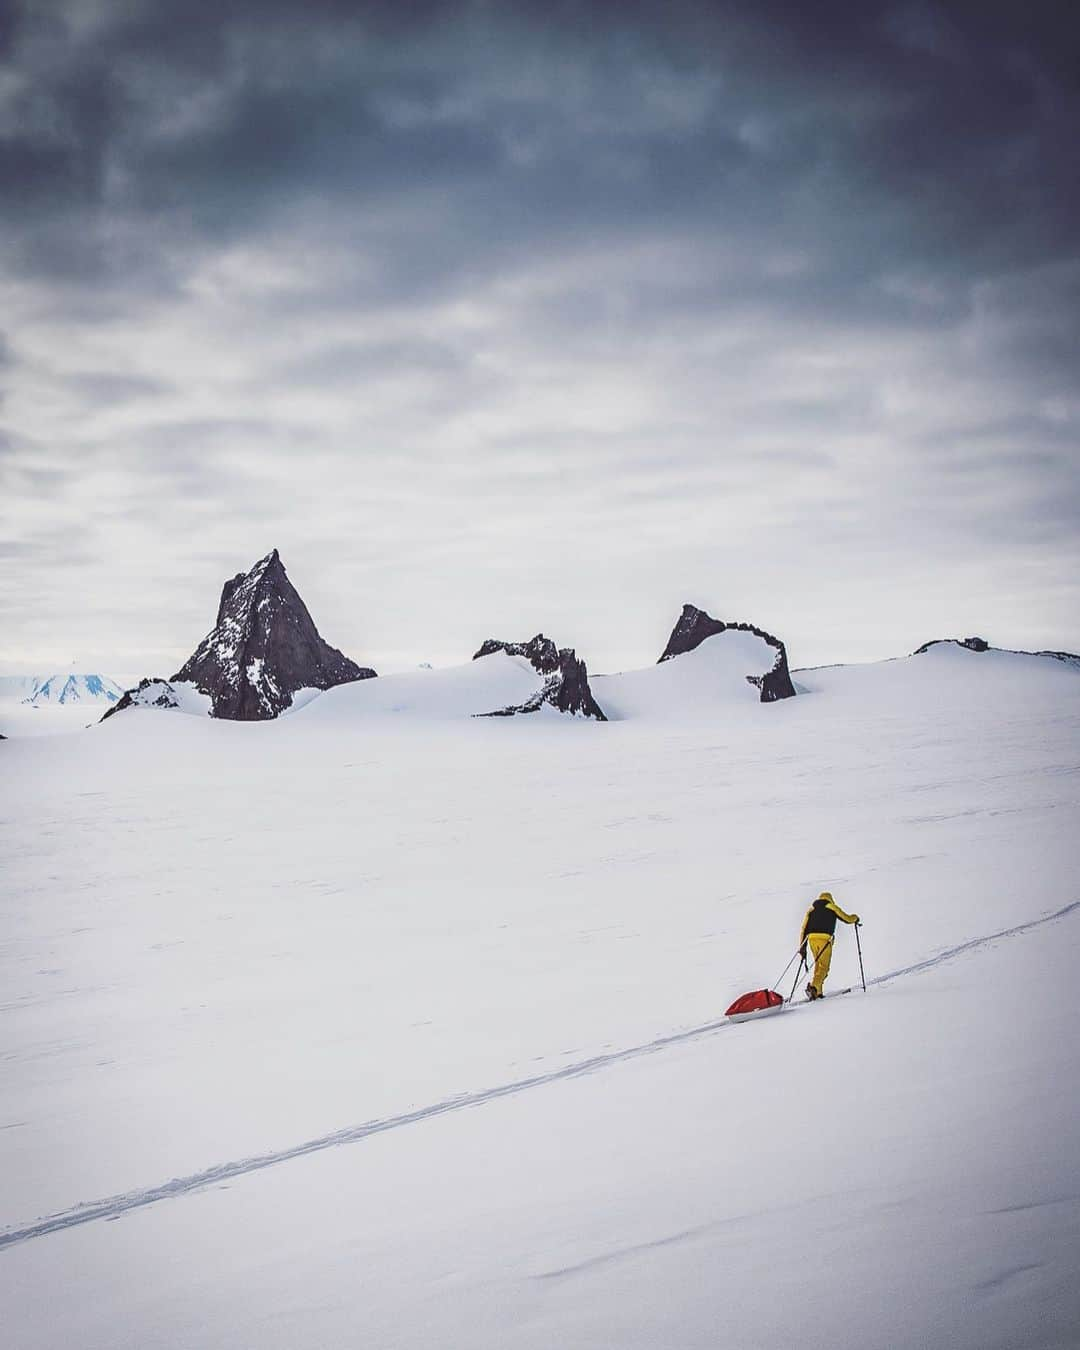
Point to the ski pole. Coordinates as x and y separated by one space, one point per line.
780 978
798 973
858 944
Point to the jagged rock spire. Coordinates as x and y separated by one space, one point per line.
263 648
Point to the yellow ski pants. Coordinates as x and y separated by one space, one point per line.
821 944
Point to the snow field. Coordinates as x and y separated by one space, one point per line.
224 939
878 1185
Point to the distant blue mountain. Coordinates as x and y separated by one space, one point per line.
74 687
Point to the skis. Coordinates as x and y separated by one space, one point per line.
835 993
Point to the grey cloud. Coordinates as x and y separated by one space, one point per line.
109 388
196 439
348 362
40 480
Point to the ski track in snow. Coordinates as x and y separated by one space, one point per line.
113 1207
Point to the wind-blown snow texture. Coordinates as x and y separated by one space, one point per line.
382 1024
263 648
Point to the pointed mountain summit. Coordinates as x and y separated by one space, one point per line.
694 626
263 648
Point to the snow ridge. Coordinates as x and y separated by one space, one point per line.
978 644
113 1206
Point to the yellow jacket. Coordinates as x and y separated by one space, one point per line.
822 915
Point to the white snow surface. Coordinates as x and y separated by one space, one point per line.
191 699
449 694
406 1031
688 686
31 719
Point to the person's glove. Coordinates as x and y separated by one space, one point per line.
802 953
856 920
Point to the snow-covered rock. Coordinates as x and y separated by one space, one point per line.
540 652
566 678
263 649
165 694
694 626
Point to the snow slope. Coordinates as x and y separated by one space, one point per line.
697 683
258 955
454 692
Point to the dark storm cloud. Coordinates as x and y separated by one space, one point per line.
905 151
946 133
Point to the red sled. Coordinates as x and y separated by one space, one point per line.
755 1004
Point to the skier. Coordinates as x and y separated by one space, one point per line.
819 929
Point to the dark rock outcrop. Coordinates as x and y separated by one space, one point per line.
573 694
149 693
263 648
566 679
541 652
694 626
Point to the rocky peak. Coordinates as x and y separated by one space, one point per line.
150 693
694 626
566 678
572 694
263 648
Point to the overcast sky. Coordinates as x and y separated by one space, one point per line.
502 317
